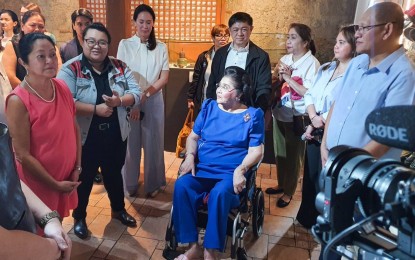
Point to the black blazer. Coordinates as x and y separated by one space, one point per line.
195 91
258 67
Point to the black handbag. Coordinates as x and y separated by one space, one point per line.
15 213
300 122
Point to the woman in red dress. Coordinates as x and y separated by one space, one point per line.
45 135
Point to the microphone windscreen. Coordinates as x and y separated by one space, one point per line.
393 126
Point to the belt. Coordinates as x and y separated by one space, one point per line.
103 126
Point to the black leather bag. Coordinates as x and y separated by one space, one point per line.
14 213
300 123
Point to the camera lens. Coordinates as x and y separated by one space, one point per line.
379 180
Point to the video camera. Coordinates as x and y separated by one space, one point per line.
367 202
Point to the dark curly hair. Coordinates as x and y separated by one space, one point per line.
27 41
242 83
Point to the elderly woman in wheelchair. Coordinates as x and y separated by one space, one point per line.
227 139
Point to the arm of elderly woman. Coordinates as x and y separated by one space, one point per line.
53 228
253 157
9 62
36 247
188 164
19 125
17 244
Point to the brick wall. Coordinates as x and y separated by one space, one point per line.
271 20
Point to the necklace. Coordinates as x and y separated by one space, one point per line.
37 94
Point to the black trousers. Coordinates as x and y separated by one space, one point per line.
103 148
307 214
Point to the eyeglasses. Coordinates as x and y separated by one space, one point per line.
92 43
225 87
222 36
365 29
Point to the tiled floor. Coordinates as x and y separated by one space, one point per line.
282 238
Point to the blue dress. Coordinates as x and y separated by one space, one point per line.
223 144
225 138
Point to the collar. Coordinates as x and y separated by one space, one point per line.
385 64
244 49
138 41
296 64
108 66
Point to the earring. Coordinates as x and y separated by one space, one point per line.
237 99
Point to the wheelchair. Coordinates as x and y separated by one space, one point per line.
250 210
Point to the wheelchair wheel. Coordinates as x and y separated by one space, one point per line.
172 242
170 250
241 254
258 213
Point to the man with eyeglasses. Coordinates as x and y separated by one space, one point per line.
381 76
245 54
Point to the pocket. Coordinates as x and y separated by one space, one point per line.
83 88
119 85
83 83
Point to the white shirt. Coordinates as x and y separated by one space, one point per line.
237 57
146 65
320 94
306 69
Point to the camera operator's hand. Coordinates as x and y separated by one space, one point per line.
54 230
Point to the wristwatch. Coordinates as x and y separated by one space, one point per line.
148 94
48 217
78 168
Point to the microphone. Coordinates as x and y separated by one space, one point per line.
393 126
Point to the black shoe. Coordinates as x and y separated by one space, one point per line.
98 178
125 218
80 229
272 191
282 203
132 193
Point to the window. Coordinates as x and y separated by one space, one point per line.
182 20
98 8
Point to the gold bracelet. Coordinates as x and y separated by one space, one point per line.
121 102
